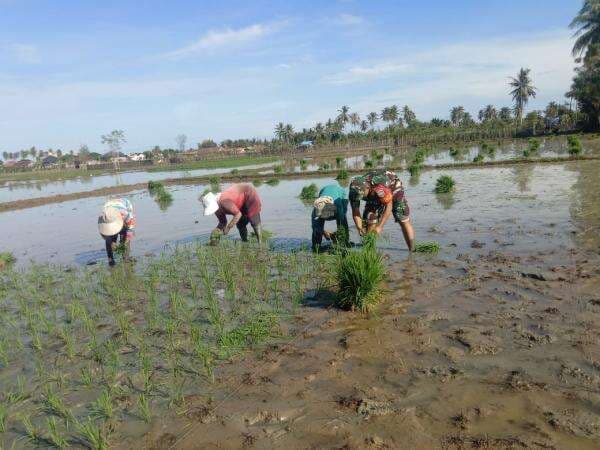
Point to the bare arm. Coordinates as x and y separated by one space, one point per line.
357 220
236 218
386 215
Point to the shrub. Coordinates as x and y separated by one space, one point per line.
359 275
6 259
478 158
342 175
444 184
574 145
309 192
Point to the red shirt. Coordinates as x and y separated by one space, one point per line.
238 198
381 194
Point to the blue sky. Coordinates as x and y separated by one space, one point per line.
73 70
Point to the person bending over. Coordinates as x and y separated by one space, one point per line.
117 221
331 204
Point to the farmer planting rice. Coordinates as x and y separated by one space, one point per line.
331 204
242 202
383 194
117 220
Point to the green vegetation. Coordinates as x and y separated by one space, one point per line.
303 164
574 145
258 182
478 158
324 167
234 171
426 247
309 192
236 161
278 169
339 161
369 164
419 157
444 184
273 181
359 275
342 175
6 260
126 344
163 198
533 145
414 169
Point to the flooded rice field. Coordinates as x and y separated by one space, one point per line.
21 190
492 343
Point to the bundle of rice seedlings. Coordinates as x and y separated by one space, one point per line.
419 157
338 161
359 275
534 145
278 169
234 171
309 192
454 152
342 175
273 181
574 145
154 187
478 158
257 182
427 247
444 184
325 166
414 169
368 164
6 260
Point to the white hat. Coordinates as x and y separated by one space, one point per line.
211 203
110 222
325 208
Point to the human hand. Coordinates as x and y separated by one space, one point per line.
378 229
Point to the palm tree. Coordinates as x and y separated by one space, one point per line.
523 89
343 117
409 116
364 126
390 114
488 113
289 132
354 119
505 114
587 23
5 155
457 115
280 131
552 110
372 118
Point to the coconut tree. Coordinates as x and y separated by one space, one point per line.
587 25
409 116
364 125
280 131
457 115
488 113
343 116
354 119
505 114
552 110
390 114
372 118
523 89
289 132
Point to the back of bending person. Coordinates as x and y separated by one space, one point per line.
384 196
117 221
240 201
331 204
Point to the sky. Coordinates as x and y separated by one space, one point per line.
72 70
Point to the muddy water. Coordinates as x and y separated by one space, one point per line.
19 190
485 347
526 208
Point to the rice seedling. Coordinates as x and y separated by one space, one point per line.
426 247
324 167
154 187
533 145
254 331
103 407
369 164
478 158
257 182
454 152
143 406
234 171
6 260
342 175
3 417
414 169
278 169
419 156
444 184
309 192
92 435
12 397
574 147
32 434
303 164
273 181
164 199
339 160
54 436
54 405
359 274
86 376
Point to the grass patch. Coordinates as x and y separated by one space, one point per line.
427 247
359 275
444 184
309 192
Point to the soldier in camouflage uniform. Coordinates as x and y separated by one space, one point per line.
383 194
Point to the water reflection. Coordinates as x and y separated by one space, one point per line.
446 200
522 175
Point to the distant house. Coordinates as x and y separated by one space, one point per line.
119 159
305 145
50 161
10 163
137 157
23 164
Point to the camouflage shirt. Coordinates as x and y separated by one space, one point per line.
359 185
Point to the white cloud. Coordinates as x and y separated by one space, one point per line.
24 53
364 73
222 39
348 19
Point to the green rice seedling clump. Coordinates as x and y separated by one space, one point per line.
359 275
273 181
414 169
419 156
234 171
338 161
533 145
7 259
574 145
369 164
257 182
154 187
444 184
478 158
342 175
427 247
309 192
278 169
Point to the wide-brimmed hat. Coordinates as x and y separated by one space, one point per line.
325 207
110 222
211 203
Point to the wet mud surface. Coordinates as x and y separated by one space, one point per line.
490 351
